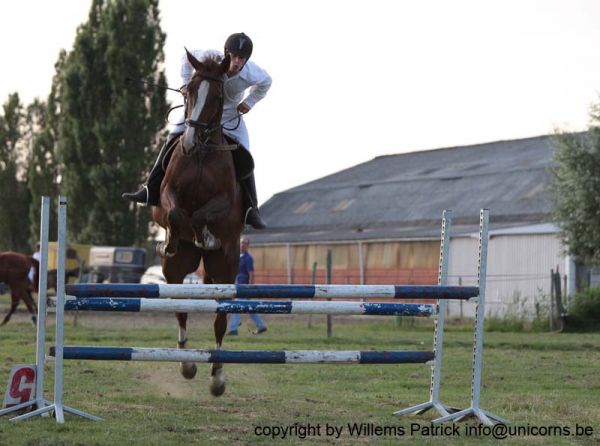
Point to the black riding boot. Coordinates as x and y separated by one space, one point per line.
252 217
149 194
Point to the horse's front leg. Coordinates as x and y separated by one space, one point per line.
221 267
216 209
188 369
31 306
217 382
178 227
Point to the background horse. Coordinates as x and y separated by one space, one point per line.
14 268
201 201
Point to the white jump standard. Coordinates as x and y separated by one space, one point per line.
218 299
39 400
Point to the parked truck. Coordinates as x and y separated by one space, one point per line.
115 264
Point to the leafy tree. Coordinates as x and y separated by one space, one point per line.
14 194
576 187
109 129
43 167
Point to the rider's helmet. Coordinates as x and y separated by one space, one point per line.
239 44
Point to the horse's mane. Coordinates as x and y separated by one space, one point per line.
211 60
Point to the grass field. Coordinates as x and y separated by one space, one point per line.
536 381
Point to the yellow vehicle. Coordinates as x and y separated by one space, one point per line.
77 259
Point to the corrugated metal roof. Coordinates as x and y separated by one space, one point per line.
402 196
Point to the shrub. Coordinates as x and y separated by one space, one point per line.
519 317
584 311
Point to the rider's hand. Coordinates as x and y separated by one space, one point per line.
184 90
243 108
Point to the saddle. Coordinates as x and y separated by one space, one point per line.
242 158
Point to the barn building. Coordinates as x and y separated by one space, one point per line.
381 222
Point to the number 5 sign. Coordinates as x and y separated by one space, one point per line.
21 385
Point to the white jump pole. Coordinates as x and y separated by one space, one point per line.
475 410
438 338
39 400
57 407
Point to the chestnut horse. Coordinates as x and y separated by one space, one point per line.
14 268
201 201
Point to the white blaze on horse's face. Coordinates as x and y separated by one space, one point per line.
190 131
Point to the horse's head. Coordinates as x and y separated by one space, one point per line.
204 106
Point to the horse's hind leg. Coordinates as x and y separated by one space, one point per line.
15 296
13 307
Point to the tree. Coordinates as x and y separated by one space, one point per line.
576 187
109 129
43 167
14 194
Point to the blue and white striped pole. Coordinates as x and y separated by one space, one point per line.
245 356
246 306
227 291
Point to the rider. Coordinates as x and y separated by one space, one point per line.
245 84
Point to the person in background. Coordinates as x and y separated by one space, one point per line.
37 256
245 276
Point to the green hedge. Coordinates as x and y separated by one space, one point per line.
584 311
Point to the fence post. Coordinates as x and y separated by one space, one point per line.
313 282
460 282
328 281
552 300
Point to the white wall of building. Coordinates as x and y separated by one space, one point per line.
518 272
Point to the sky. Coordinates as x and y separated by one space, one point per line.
356 79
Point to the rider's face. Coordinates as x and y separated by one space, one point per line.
236 64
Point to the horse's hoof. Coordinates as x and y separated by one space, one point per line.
217 383
217 390
188 369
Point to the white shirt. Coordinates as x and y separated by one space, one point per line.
249 85
37 256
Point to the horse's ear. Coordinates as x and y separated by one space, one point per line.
195 62
225 64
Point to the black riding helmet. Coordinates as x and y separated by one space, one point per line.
239 44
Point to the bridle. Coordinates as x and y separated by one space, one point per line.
205 129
